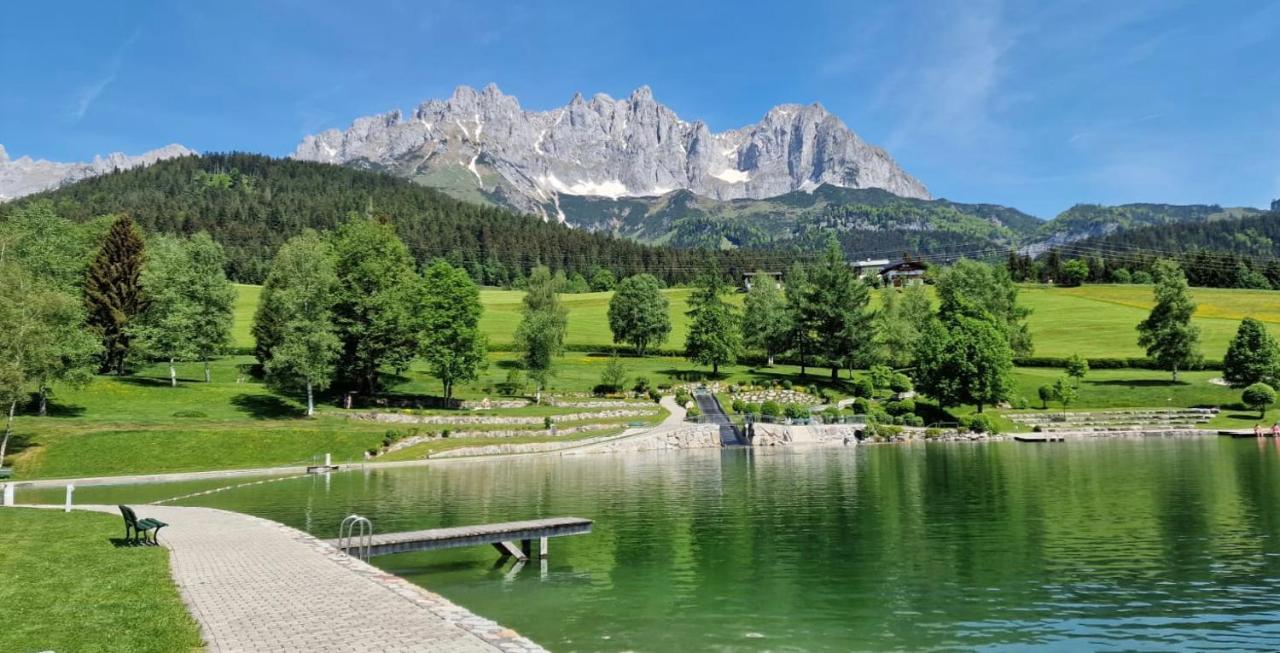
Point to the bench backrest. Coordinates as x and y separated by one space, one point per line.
129 517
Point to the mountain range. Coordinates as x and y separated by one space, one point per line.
24 175
483 145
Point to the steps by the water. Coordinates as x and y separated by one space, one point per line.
1118 420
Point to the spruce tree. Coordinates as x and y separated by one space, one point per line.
113 292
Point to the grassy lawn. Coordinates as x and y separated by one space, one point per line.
66 587
246 303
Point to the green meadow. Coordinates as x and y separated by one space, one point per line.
1094 321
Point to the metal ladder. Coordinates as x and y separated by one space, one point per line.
349 538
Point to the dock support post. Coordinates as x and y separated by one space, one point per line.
526 547
509 550
542 548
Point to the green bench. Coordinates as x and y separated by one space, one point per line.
140 527
6 472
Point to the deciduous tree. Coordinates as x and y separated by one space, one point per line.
540 335
1167 333
303 279
638 313
452 343
765 325
1252 356
378 307
167 329
970 286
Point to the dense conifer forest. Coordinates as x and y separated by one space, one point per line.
251 204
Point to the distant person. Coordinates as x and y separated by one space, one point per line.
1257 430
1275 429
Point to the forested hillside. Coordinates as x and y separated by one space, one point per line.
251 204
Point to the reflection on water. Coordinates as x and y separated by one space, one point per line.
1122 544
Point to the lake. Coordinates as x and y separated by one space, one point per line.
1108 544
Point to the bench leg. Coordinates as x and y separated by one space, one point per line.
155 536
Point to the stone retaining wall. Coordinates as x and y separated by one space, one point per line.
406 418
702 436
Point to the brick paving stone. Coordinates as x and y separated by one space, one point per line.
257 585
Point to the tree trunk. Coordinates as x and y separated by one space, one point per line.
537 395
173 374
715 369
1175 373
207 377
8 430
311 403
835 373
448 392
770 360
44 401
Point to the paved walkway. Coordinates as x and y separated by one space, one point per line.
256 585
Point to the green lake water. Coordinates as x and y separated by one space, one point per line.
1105 545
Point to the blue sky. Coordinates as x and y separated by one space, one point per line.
1037 105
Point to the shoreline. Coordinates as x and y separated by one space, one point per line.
295 470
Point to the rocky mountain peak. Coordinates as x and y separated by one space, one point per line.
606 147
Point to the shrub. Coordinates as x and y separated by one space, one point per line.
771 408
1047 394
513 385
642 385
786 384
863 387
655 395
812 389
861 406
614 376
753 409
1259 396
682 396
913 420
1121 276
900 407
1142 277
1020 402
831 413
881 376
694 411
547 423
900 383
889 431
796 411
980 423
739 406
897 419
932 433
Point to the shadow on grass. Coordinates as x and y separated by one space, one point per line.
64 410
508 364
1141 383
155 382
266 406
122 543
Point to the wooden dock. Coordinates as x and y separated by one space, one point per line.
501 536
1039 437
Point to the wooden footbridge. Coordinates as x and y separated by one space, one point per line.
501 536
